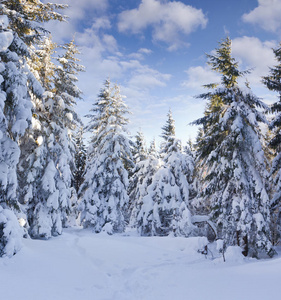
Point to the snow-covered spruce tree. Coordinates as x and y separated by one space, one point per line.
273 83
152 149
21 87
49 214
231 159
168 129
66 119
163 209
38 191
41 189
168 133
80 159
10 230
104 198
47 148
18 82
142 178
145 171
139 150
139 153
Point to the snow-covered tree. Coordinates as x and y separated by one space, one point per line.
47 150
13 115
165 207
104 197
139 153
38 192
231 160
26 19
142 176
80 159
168 133
49 197
152 149
65 121
139 150
41 62
145 171
162 205
168 129
273 83
21 86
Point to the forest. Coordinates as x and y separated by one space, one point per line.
225 185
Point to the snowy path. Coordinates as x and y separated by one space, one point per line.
83 265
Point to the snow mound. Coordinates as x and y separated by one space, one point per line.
234 254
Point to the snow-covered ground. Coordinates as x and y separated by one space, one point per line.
83 265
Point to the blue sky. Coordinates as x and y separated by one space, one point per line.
155 50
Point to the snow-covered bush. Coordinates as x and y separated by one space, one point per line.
11 233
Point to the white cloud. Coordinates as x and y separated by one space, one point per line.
110 43
199 76
140 54
254 54
145 51
77 8
101 23
266 15
81 13
148 80
168 20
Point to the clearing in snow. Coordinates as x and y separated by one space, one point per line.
82 265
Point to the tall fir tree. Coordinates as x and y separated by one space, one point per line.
104 198
64 115
273 83
10 121
20 84
35 153
168 133
231 160
47 192
168 129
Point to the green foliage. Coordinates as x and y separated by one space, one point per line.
224 64
168 129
